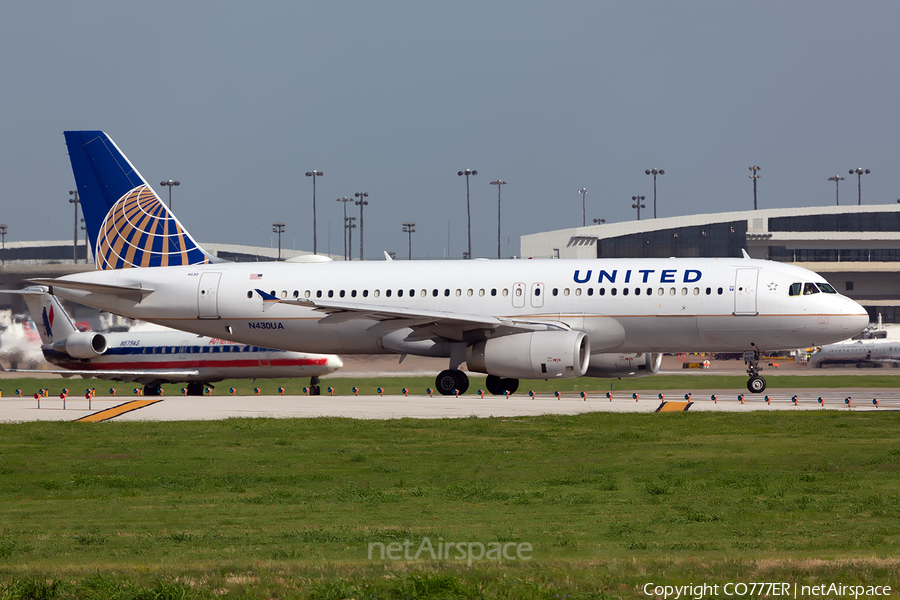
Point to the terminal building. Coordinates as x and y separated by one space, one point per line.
856 248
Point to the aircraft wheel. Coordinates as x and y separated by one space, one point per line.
151 389
756 385
448 381
315 391
500 385
195 388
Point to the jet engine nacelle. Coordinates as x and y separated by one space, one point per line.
532 355
82 345
624 365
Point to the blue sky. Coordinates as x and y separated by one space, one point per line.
238 100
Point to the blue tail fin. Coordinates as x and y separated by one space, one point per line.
127 222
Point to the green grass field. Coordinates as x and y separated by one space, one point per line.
288 508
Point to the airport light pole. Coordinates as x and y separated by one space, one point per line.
344 202
499 183
84 229
74 201
654 172
409 228
755 169
279 229
583 192
859 171
314 174
3 229
349 225
170 184
599 221
837 179
638 204
468 172
362 202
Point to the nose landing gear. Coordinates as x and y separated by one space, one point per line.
756 384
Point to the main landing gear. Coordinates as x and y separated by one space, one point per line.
314 386
756 384
449 381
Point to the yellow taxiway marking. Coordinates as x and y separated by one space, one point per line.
115 411
674 407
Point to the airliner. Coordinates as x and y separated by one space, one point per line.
862 353
154 358
510 319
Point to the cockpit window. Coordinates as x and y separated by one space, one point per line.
809 289
795 289
826 287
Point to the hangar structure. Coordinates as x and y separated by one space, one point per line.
856 248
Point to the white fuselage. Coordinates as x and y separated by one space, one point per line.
663 305
213 359
857 352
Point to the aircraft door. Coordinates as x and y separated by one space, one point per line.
207 296
518 295
537 295
745 292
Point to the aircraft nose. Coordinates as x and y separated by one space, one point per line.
854 318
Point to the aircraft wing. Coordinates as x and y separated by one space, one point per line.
427 324
123 374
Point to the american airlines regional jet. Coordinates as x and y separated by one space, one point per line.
154 358
510 319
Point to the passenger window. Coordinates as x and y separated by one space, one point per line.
376 293
505 292
434 292
566 292
795 289
637 291
296 293
458 293
556 291
493 291
481 292
624 291
708 291
537 292
413 293
446 292
365 293
696 291
318 293
684 291
399 293
283 294
331 293
424 293
660 292
342 293
306 294
577 291
720 291
469 293
671 291
519 292
387 292
250 294
649 291
590 291
613 291
353 293
602 291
